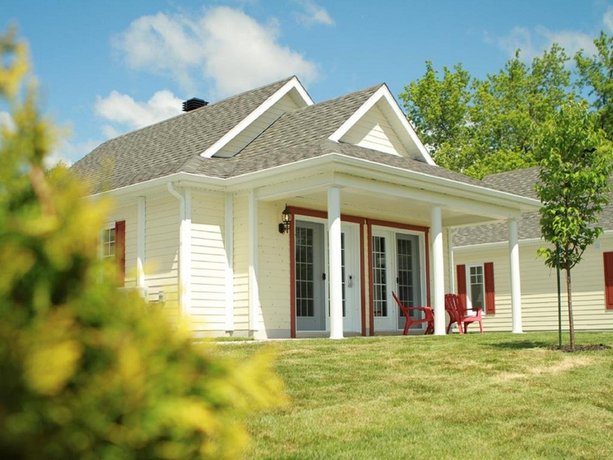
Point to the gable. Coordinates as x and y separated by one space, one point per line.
290 97
381 125
374 131
287 103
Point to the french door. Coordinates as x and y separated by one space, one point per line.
311 269
396 267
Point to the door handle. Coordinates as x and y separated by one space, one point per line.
350 282
323 276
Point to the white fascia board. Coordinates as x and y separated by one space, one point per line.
267 104
215 183
383 93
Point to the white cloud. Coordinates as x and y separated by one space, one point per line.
68 152
6 121
607 20
225 45
532 42
314 14
124 113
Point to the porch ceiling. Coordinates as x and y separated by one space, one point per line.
384 207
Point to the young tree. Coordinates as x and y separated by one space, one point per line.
87 371
576 161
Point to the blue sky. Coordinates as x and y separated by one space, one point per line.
107 67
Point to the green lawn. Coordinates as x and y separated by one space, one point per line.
492 396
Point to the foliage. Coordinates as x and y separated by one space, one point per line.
484 126
88 371
493 396
596 76
576 162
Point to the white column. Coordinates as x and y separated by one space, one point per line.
229 247
450 260
254 292
334 257
185 246
438 274
140 246
515 278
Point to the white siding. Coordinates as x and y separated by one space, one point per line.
539 292
161 249
241 264
374 131
273 270
285 104
208 274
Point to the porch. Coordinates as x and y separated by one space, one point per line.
352 240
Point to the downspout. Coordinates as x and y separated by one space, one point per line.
185 217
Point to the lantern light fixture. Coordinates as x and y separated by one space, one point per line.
286 218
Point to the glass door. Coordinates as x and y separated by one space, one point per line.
408 279
310 277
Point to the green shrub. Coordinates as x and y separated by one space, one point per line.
87 370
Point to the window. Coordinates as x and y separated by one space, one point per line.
608 279
477 289
108 243
114 246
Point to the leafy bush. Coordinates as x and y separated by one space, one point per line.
88 371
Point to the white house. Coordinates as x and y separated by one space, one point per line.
199 199
479 254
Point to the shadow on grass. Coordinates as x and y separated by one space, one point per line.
521 345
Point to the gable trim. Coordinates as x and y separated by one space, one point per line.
383 93
267 104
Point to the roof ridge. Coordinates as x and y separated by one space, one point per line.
198 110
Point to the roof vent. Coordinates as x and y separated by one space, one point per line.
193 103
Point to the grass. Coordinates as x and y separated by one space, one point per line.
491 396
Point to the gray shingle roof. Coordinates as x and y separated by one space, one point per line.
520 182
175 145
167 147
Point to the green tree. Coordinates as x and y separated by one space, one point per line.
88 371
596 77
481 127
576 161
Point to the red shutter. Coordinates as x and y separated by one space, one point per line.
608 279
461 283
490 291
120 250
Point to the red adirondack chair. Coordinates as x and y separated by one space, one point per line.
409 322
456 309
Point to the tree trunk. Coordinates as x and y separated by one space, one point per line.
569 298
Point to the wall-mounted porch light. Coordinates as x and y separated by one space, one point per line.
286 218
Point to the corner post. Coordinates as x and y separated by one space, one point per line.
438 274
515 277
334 257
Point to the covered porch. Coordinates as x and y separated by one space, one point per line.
358 230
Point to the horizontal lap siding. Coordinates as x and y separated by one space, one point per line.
161 250
273 264
241 264
539 291
208 274
373 131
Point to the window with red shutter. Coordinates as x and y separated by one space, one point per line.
608 279
476 285
114 246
